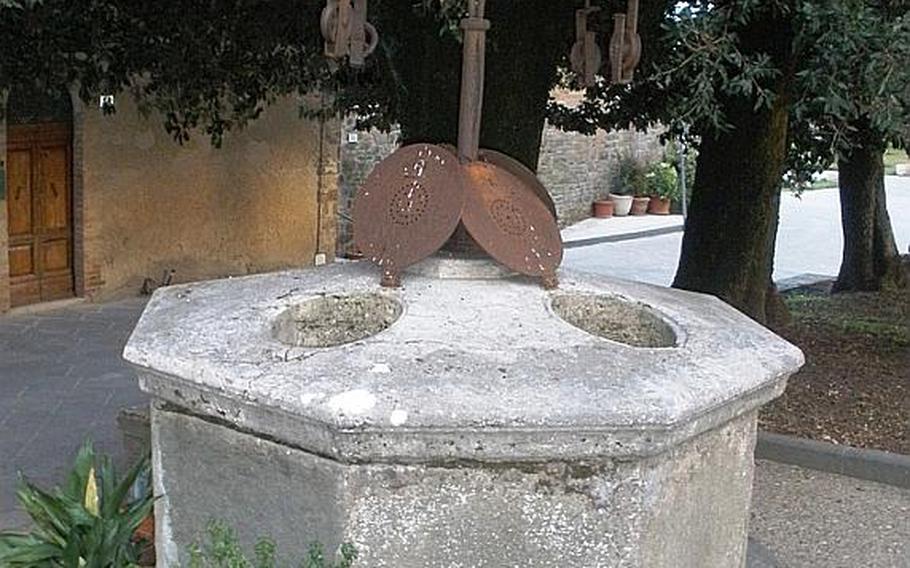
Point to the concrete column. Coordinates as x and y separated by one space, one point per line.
328 186
78 182
4 232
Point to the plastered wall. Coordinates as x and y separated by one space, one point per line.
150 205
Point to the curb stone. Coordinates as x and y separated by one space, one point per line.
758 555
578 243
871 465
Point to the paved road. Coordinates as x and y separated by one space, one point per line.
61 381
809 240
811 519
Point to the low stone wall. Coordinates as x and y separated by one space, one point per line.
576 169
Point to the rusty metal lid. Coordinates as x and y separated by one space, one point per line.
408 206
508 219
520 171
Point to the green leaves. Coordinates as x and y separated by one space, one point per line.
223 550
663 180
853 70
87 522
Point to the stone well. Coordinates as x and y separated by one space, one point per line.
457 422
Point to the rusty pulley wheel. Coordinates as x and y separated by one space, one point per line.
407 208
510 222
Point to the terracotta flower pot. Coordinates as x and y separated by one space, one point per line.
603 208
622 204
659 206
145 533
640 205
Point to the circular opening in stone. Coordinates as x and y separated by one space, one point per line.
615 319
336 319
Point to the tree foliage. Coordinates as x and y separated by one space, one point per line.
855 71
216 64
213 65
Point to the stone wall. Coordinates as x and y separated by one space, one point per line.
360 152
150 205
578 169
575 168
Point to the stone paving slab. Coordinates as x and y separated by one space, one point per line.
810 240
614 226
61 380
811 519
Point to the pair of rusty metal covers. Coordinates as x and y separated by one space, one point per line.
414 200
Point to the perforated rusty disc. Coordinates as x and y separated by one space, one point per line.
408 206
520 171
507 218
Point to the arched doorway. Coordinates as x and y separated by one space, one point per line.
39 197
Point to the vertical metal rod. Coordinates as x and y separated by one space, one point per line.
472 72
682 177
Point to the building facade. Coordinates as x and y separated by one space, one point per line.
101 206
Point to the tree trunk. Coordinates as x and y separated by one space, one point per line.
870 260
524 46
728 243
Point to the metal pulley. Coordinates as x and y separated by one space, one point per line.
347 32
586 57
625 45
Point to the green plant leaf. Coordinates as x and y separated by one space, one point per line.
78 477
120 490
91 500
84 524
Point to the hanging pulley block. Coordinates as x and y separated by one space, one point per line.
347 32
586 57
625 45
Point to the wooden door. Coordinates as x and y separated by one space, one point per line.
39 201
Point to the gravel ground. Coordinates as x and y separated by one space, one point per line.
855 387
810 519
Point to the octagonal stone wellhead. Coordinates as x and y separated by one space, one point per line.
457 421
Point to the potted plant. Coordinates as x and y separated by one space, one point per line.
603 208
663 186
630 181
640 203
622 204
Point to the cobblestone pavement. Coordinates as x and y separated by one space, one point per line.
61 380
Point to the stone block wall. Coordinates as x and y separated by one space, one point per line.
576 169
360 152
